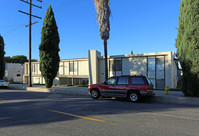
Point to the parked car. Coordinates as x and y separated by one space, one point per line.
3 84
131 87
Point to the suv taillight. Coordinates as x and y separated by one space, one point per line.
150 87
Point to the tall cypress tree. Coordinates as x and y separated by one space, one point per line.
2 61
187 44
49 48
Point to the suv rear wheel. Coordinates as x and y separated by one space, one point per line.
95 94
134 96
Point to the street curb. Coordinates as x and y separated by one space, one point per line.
159 98
17 86
68 90
54 90
175 100
38 89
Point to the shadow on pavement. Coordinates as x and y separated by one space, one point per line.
27 108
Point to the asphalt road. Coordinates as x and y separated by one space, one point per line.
43 114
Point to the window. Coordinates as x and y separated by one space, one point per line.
137 81
61 69
151 69
26 69
123 80
75 66
115 65
71 66
111 81
156 67
151 64
34 68
160 63
160 72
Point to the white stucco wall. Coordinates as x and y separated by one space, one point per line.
93 66
83 68
101 72
168 70
66 68
134 66
12 72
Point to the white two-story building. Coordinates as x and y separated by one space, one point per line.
160 67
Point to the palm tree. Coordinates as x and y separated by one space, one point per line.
103 14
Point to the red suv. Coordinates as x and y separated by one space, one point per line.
131 87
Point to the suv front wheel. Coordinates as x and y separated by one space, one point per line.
134 96
95 94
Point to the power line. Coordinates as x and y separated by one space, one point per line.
12 25
31 4
29 14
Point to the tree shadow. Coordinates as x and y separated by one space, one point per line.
21 95
36 109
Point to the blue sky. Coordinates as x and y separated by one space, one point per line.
143 26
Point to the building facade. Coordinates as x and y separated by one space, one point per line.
14 72
161 68
71 72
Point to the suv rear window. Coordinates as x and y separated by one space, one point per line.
123 80
137 81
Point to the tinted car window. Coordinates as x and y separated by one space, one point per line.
123 80
137 81
111 81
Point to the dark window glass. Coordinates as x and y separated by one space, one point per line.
116 65
123 80
160 83
111 81
160 63
71 67
151 64
137 81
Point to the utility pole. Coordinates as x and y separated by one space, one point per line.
30 24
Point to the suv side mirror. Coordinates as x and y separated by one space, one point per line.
105 83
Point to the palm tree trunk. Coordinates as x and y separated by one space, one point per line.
105 54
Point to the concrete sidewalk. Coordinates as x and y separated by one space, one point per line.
174 97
